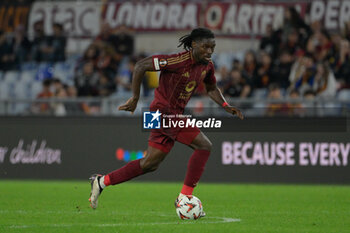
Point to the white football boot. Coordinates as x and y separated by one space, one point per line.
96 190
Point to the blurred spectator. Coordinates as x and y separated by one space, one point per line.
46 89
43 108
22 45
107 39
294 94
58 43
274 92
264 73
14 49
106 35
270 41
342 68
58 107
249 71
324 83
86 80
309 106
74 108
72 92
293 21
124 79
316 26
7 53
124 41
221 73
90 55
56 85
346 31
236 64
106 62
222 77
309 95
295 106
320 44
303 73
282 68
276 108
49 48
292 43
236 85
105 86
40 43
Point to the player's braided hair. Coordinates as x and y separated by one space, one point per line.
198 33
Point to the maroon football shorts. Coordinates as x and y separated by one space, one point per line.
164 139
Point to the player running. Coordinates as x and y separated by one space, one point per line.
180 75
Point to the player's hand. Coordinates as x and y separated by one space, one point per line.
234 111
130 105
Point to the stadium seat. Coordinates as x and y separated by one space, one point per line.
3 90
22 90
344 95
7 90
35 89
63 71
331 109
62 75
11 76
27 76
20 108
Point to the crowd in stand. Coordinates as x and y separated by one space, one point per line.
298 60
95 72
16 48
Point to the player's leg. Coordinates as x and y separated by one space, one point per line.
131 170
202 147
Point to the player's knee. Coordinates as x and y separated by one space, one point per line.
206 145
148 165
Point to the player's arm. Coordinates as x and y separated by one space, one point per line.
216 95
139 72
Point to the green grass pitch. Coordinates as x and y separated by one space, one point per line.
62 206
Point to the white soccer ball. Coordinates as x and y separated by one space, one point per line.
189 207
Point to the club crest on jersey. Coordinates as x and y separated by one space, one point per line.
203 74
163 62
187 75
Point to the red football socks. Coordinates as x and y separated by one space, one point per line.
107 180
195 169
129 171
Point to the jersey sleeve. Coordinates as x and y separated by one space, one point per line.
210 77
170 62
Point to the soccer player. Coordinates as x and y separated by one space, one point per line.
180 75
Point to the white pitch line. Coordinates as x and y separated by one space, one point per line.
220 220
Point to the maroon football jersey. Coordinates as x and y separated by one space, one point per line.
179 78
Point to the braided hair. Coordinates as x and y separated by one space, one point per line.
198 33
